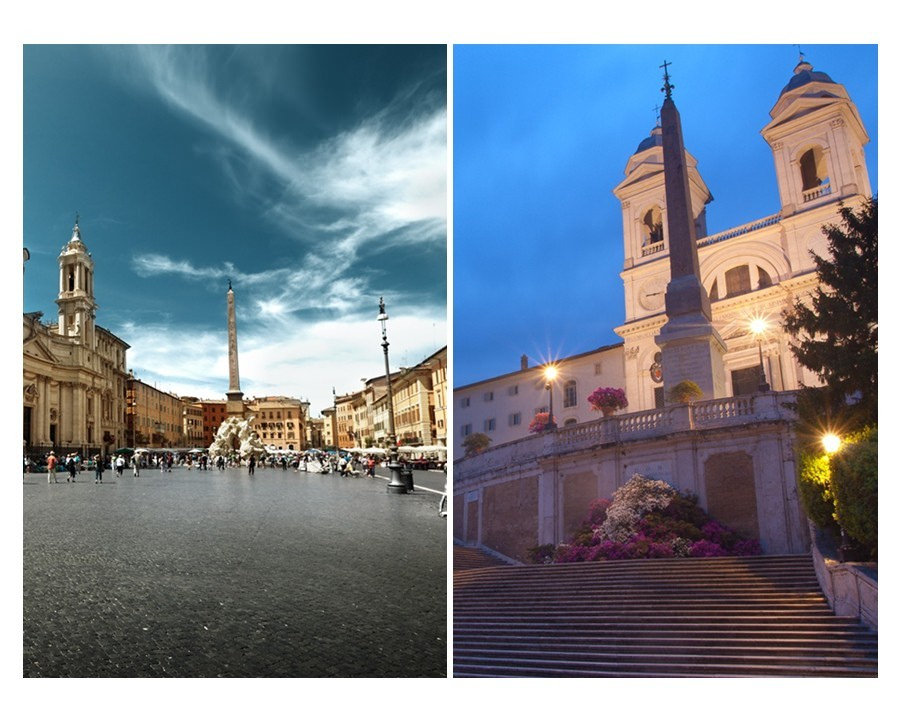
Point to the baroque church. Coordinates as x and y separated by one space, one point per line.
750 272
74 371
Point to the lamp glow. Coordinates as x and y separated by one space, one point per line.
831 443
757 326
550 372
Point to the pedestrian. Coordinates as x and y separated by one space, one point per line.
27 465
120 465
251 464
71 467
52 462
370 466
135 465
98 469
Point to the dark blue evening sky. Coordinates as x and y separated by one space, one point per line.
314 177
541 136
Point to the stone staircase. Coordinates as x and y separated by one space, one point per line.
671 617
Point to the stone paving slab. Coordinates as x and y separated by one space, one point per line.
206 574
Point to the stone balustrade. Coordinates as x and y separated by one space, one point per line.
643 425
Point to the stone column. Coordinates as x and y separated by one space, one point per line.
234 406
691 347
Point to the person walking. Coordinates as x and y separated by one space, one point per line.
251 465
136 465
52 462
120 465
70 466
98 469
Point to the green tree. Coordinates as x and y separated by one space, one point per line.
475 443
836 335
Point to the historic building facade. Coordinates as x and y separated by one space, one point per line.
733 449
751 272
73 370
280 422
155 418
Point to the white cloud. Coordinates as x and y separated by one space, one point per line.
304 361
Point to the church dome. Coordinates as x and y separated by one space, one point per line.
803 75
655 140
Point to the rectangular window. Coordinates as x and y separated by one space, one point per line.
598 368
488 396
569 395
490 424
514 390
464 402
467 429
515 419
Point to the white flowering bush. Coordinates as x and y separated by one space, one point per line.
639 496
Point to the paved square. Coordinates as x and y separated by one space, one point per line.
205 574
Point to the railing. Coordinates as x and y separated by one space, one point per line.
718 412
741 230
653 249
817 192
644 425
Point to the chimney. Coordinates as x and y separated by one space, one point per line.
524 362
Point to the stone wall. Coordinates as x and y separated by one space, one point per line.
850 588
735 455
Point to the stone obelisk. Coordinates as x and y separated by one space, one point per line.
234 406
691 347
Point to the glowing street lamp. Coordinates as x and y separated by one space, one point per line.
831 443
550 373
396 485
758 328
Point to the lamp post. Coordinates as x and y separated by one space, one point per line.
832 443
396 485
550 373
758 327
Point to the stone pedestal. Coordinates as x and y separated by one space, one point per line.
693 350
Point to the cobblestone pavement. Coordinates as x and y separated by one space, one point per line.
205 574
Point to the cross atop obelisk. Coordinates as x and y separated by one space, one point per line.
691 347
235 404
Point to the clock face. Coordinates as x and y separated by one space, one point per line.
653 294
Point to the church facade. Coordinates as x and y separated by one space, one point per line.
74 371
750 273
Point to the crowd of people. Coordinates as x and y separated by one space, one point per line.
315 461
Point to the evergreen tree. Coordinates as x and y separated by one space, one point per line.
837 334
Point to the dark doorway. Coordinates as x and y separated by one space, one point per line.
745 381
26 427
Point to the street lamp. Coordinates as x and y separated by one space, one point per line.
758 328
550 373
831 443
396 485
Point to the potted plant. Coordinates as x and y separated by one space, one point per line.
608 400
540 422
685 392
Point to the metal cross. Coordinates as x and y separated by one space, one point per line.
668 87
656 107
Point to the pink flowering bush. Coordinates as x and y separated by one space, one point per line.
647 518
608 398
539 423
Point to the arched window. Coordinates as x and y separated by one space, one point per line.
570 398
764 279
813 171
737 280
652 227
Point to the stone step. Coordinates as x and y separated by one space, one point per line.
666 617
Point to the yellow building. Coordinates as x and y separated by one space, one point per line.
155 418
193 426
280 422
73 380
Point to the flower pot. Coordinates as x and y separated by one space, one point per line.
607 411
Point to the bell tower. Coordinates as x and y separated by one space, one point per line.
77 307
817 139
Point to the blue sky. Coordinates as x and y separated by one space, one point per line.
314 177
541 136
